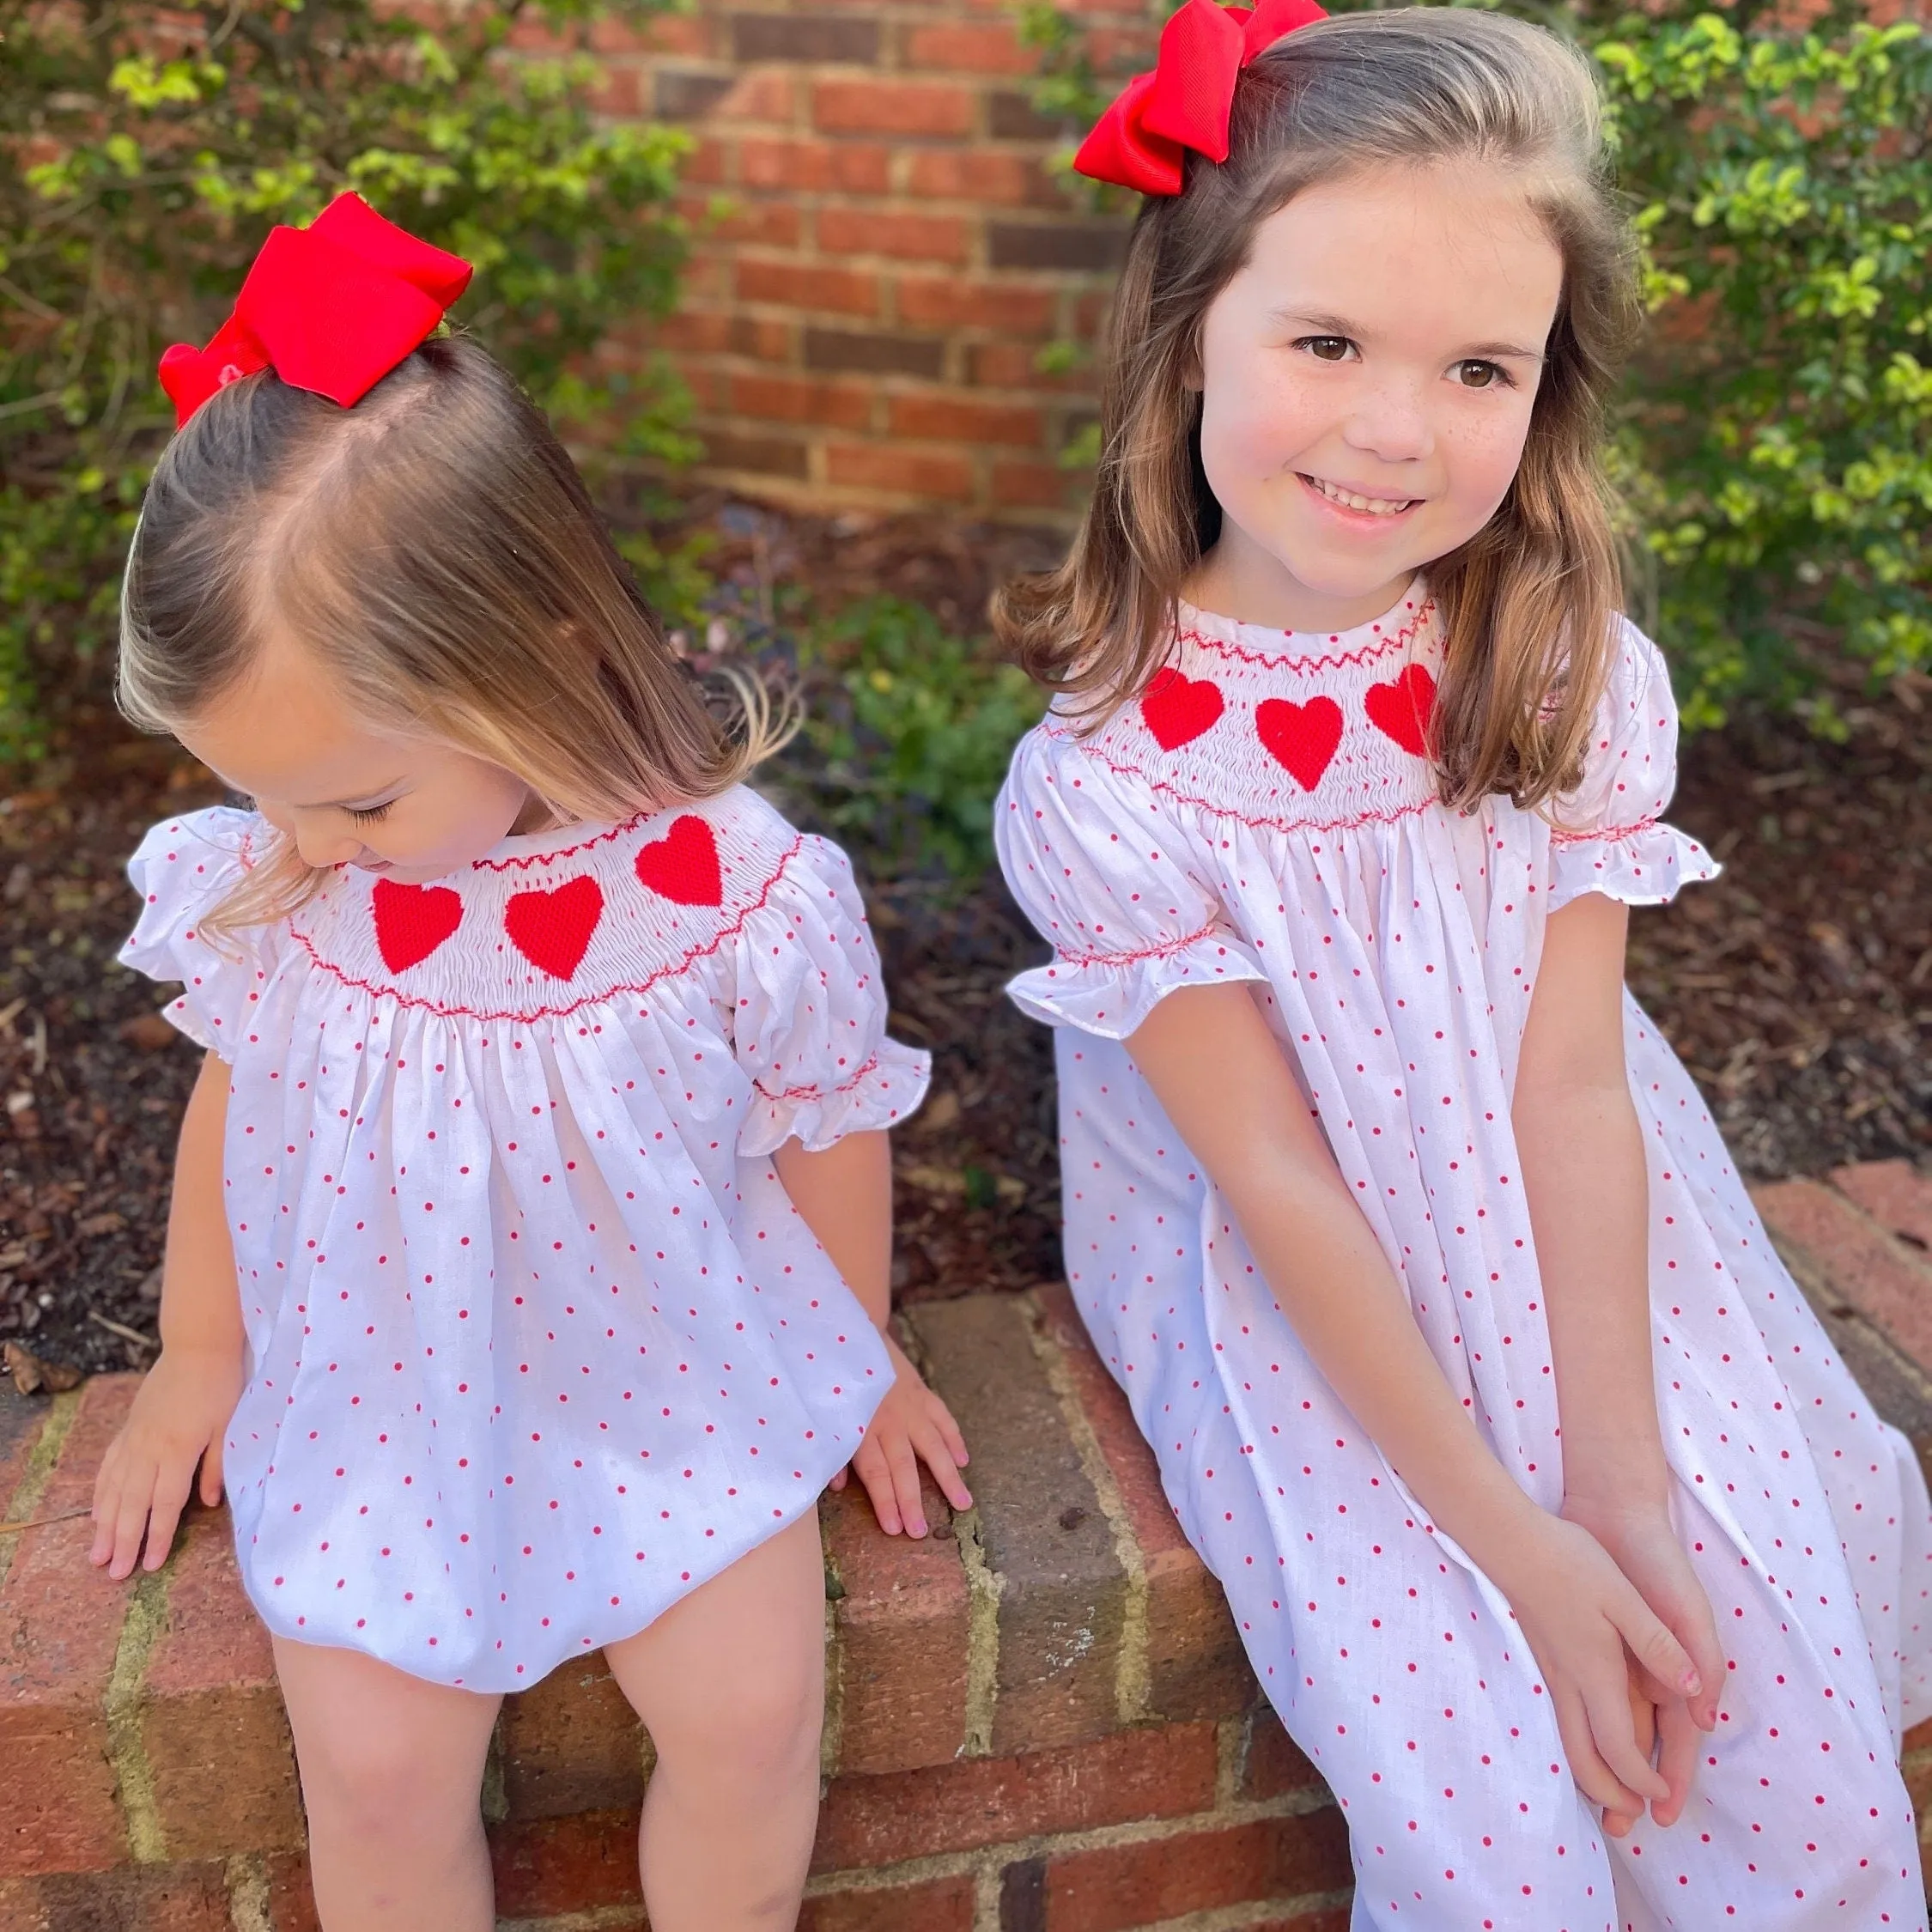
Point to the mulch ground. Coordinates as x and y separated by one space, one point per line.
1798 987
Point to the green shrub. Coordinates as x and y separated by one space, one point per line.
148 150
910 729
1774 444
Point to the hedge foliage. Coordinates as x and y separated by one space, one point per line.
146 152
1774 442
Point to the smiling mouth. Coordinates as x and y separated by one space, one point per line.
1349 500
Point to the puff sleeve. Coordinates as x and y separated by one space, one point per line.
1609 835
809 1025
183 869
1092 860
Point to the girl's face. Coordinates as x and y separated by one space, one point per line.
347 792
1367 382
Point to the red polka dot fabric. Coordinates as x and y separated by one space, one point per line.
538 1343
1266 815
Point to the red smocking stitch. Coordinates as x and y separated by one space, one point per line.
1229 811
1609 836
818 1093
1326 661
526 1017
522 862
1165 951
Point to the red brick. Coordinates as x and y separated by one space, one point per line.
900 1630
958 48
802 167
1882 1277
979 175
764 94
1272 1765
574 1864
877 231
955 302
959 420
941 1905
909 473
571 1744
789 398
1115 1887
1918 1738
809 285
212 1723
706 166
689 34
769 223
1196 1667
1015 365
60 1624
174 1898
618 91
1030 486
892 107
1895 1195
1164 1772
719 332
1324 1918
291 1904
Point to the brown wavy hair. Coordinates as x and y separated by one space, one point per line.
435 550
1528 605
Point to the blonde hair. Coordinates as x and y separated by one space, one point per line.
1528 605
434 547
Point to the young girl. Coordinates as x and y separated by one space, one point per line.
1373 1172
542 1129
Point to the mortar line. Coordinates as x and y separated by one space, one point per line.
34 1476
832 1738
250 1907
134 1777
1134 1680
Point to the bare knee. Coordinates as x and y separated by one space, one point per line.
384 1785
763 1729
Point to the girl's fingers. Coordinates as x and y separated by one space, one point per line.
172 1491
130 1519
1606 1706
1677 1759
1654 1647
956 1443
1594 1778
1698 1632
939 1457
904 1464
211 1471
838 1481
870 1466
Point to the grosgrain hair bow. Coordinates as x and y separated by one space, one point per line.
332 308
1140 140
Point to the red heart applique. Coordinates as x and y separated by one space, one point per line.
1300 738
551 929
1178 709
1403 710
684 864
412 920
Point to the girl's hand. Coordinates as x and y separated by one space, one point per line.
178 1418
1581 1615
912 1425
1642 1544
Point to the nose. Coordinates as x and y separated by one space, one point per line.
1391 421
322 845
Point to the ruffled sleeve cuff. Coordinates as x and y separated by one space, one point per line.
881 1093
1641 865
183 869
810 1020
1111 993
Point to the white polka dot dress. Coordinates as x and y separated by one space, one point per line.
537 1342
1264 813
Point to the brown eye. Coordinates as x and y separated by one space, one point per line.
1328 348
1479 375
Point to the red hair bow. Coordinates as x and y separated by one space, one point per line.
1140 140
332 308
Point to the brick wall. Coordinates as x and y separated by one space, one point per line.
1040 1720
861 318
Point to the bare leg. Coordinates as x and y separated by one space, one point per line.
391 1772
731 1684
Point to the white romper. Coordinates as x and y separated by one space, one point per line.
1264 813
537 1341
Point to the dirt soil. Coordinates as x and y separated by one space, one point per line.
1798 987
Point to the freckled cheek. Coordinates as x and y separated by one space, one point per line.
1484 458
1253 436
